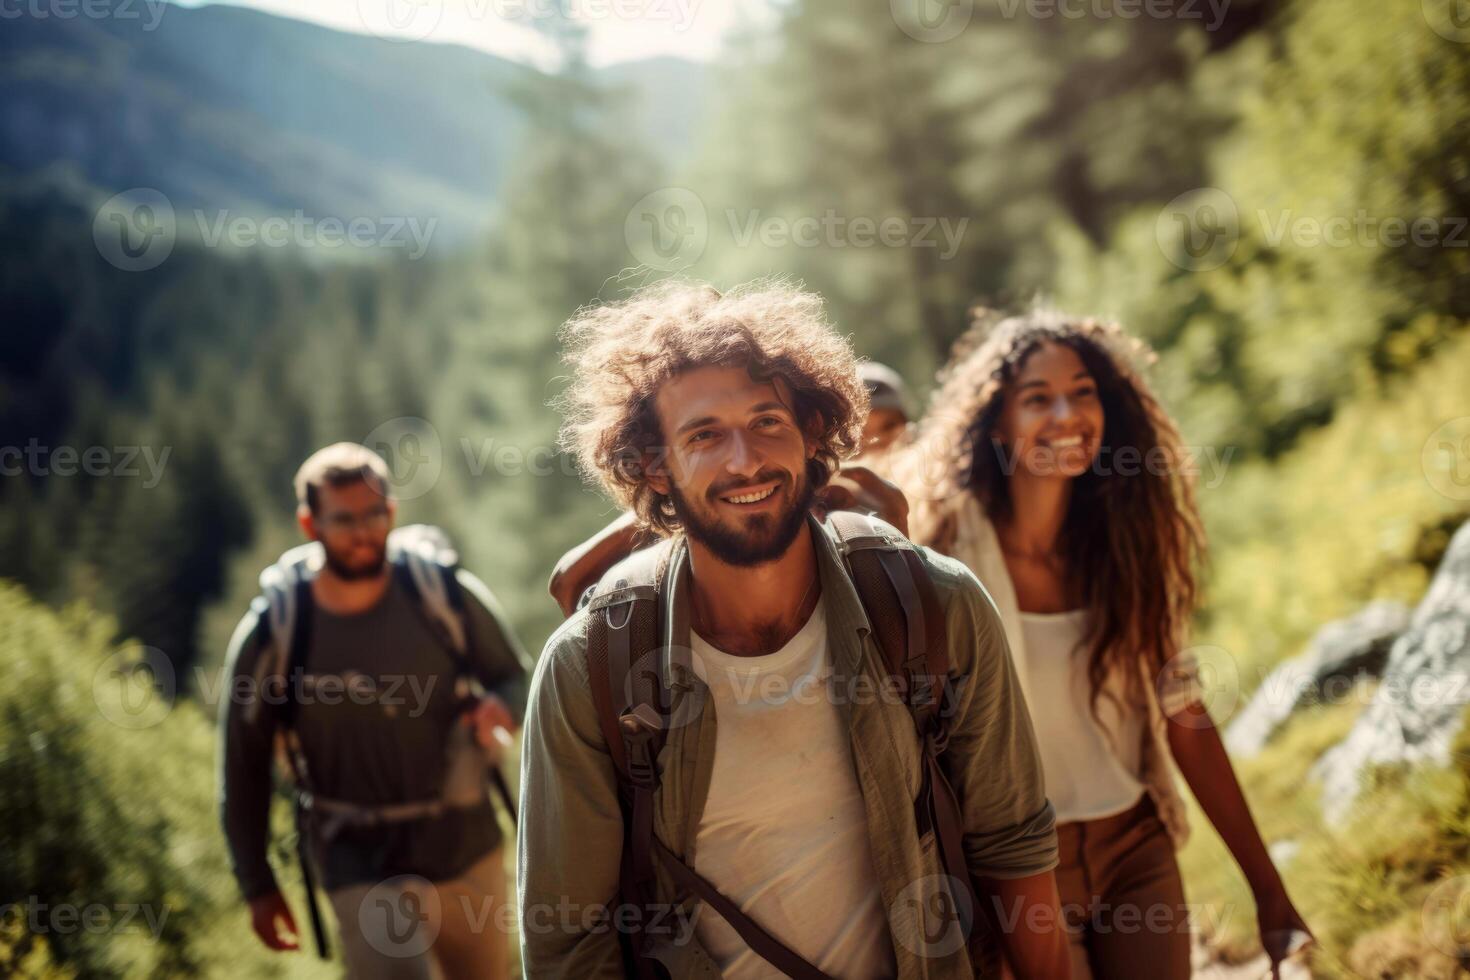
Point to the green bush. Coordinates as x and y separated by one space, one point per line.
1350 515
110 852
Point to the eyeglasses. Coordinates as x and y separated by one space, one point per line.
343 522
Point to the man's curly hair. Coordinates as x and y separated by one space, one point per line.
622 353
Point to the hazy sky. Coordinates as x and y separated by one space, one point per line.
621 30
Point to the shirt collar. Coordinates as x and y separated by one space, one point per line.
839 597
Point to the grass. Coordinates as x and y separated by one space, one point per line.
1386 892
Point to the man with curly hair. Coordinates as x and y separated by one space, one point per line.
716 418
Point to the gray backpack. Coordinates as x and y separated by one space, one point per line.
423 562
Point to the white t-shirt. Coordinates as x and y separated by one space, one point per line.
1085 778
784 834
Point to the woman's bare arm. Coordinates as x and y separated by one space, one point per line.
1198 751
586 563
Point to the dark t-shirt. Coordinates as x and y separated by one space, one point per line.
376 705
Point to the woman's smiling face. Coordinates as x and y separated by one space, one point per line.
1051 421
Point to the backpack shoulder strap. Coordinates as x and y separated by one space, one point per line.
622 630
907 618
425 564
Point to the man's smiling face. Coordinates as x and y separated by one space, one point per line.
736 463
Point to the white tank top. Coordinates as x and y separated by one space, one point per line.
1085 778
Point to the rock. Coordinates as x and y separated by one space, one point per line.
1417 709
1340 653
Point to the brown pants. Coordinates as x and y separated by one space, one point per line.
1122 898
409 928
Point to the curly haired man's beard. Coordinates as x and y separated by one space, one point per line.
756 540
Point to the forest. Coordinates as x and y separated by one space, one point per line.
1272 193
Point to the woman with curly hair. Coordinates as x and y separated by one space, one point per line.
1051 470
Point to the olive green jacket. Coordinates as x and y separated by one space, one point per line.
571 828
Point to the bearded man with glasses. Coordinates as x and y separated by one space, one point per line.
387 678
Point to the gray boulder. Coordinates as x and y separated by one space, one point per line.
1339 654
1416 711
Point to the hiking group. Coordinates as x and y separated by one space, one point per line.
840 694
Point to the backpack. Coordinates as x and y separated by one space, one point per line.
634 708
423 562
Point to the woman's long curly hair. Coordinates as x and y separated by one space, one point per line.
1130 541
622 353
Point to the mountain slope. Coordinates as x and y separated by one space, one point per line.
224 108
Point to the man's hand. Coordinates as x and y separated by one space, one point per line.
271 919
493 725
859 488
